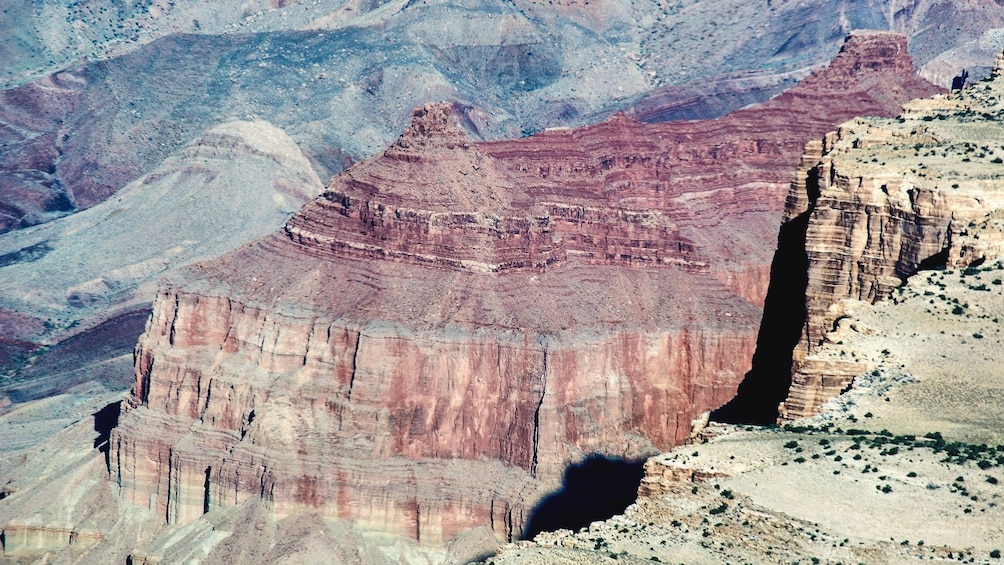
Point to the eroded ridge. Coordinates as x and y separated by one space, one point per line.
436 199
452 311
891 197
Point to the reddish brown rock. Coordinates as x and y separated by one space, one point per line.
429 344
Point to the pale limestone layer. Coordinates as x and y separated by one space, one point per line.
887 197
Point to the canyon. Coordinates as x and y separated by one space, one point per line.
890 448
459 309
453 309
99 95
96 94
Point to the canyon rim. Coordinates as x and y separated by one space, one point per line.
452 310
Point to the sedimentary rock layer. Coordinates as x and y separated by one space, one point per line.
887 197
427 346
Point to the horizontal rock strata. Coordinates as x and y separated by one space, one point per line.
888 197
429 344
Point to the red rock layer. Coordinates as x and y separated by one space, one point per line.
429 344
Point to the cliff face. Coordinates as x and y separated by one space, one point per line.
348 362
885 198
368 424
453 311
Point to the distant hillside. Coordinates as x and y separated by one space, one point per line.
100 92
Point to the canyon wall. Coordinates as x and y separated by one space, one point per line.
428 345
369 424
884 198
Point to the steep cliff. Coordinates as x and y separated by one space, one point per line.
349 362
884 198
450 311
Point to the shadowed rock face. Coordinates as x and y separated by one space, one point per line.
428 345
889 197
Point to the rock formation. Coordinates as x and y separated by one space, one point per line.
450 311
426 310
885 198
96 94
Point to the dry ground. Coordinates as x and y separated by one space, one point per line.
860 483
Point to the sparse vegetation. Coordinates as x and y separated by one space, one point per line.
955 452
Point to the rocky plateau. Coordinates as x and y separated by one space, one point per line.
885 199
462 309
451 310
896 444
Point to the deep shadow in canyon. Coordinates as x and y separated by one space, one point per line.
105 420
596 488
766 384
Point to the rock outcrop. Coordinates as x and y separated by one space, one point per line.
350 361
885 198
451 311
